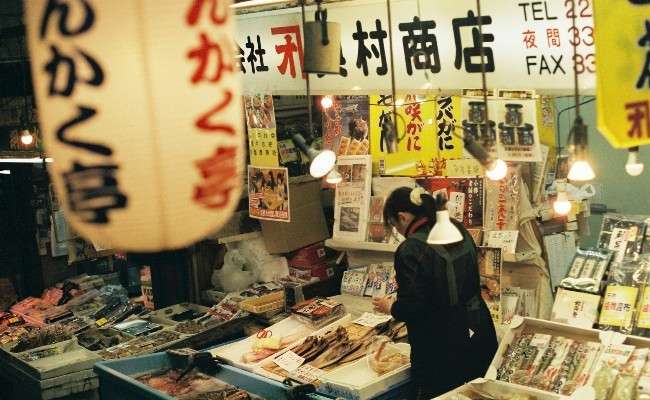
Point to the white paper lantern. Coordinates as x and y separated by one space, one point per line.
140 107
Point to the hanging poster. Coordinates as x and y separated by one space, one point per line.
517 132
345 126
412 149
623 90
268 193
465 197
490 266
502 202
473 112
262 136
352 198
435 46
140 108
377 231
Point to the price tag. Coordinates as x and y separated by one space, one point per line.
372 320
289 361
306 374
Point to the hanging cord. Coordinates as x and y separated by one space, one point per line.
392 64
576 93
310 127
557 123
486 138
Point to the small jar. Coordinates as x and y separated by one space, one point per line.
525 135
513 114
477 112
506 134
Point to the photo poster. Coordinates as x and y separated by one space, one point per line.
377 231
473 116
502 202
262 135
268 193
346 126
418 147
352 198
465 197
517 132
490 268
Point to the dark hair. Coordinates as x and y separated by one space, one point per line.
400 201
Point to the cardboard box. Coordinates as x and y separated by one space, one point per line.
302 274
308 256
307 224
322 271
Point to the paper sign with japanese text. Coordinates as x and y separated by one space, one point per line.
352 198
140 108
412 148
465 197
490 268
435 47
623 78
268 193
502 202
618 306
261 128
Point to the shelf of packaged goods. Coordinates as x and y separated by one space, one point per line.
346 245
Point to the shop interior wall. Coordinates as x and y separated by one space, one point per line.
614 187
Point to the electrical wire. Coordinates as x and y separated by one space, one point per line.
557 123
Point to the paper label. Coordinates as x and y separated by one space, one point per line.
372 320
289 361
618 243
505 240
618 306
306 374
456 205
644 312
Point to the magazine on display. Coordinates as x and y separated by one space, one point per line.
352 200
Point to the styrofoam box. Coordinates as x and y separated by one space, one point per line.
518 325
232 353
358 381
494 389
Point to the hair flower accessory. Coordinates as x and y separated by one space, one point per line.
416 195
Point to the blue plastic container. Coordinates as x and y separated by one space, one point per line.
115 382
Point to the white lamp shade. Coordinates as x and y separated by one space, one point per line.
444 231
322 163
334 177
148 133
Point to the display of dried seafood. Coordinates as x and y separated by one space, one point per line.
193 386
190 328
341 346
146 344
42 337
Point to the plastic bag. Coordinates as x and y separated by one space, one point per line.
625 387
611 362
587 270
385 356
233 276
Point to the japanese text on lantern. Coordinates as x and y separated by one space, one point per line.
218 171
92 188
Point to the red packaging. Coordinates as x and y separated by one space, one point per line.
302 274
322 271
308 256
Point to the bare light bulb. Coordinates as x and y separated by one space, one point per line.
634 166
497 170
562 205
326 102
581 171
334 177
26 138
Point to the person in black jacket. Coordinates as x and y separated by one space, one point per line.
450 330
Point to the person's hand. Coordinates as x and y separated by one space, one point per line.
383 304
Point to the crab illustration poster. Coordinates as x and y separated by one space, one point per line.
268 193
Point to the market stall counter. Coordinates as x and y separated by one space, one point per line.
135 379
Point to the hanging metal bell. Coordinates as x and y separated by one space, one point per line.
322 47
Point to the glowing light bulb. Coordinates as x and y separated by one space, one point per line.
26 138
562 205
326 102
634 166
334 177
581 171
497 170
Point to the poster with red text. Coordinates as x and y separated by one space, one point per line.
465 197
268 193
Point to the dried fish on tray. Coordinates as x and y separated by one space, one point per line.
193 386
142 345
339 346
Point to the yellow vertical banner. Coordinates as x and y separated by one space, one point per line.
622 38
262 137
546 124
412 148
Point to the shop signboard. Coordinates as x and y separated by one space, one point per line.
139 105
435 46
623 100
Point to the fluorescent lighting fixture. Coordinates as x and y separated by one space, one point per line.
5 172
634 166
444 231
33 160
